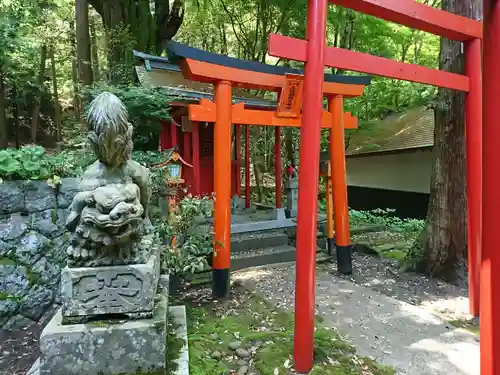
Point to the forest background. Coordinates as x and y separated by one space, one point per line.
56 55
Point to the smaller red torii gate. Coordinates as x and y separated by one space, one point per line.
316 55
226 73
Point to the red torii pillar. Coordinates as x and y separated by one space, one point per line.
490 264
222 190
307 209
339 185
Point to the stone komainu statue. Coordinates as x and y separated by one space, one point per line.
108 218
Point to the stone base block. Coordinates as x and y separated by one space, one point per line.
96 291
106 347
178 353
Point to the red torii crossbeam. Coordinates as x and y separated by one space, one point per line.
315 55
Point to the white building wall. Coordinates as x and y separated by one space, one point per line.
404 171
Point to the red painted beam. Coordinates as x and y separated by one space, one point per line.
201 71
205 112
418 16
296 49
490 262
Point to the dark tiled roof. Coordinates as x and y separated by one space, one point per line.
178 51
402 131
181 89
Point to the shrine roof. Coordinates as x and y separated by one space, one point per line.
409 130
178 52
160 72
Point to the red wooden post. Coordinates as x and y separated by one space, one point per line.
490 263
305 278
196 158
186 137
278 171
163 136
247 166
222 189
173 134
473 146
237 150
339 182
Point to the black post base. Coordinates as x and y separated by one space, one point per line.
344 259
331 245
220 284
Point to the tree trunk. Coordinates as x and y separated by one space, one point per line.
35 113
147 32
17 112
55 93
3 115
83 52
94 49
443 244
74 76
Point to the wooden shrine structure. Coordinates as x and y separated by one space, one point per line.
226 74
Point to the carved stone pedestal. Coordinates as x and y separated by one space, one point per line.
106 347
89 292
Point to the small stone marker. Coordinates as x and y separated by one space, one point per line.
291 190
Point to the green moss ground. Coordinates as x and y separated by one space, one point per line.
467 325
252 321
174 346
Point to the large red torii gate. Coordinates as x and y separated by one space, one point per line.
315 54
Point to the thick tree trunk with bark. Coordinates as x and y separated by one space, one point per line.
16 110
3 115
35 113
94 49
147 31
83 52
77 107
443 244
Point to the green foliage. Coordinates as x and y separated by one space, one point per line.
34 163
386 217
146 108
383 217
188 254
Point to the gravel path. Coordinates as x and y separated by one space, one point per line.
388 316
383 276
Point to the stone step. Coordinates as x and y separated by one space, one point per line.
258 240
263 257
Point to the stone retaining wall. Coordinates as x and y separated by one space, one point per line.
33 245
